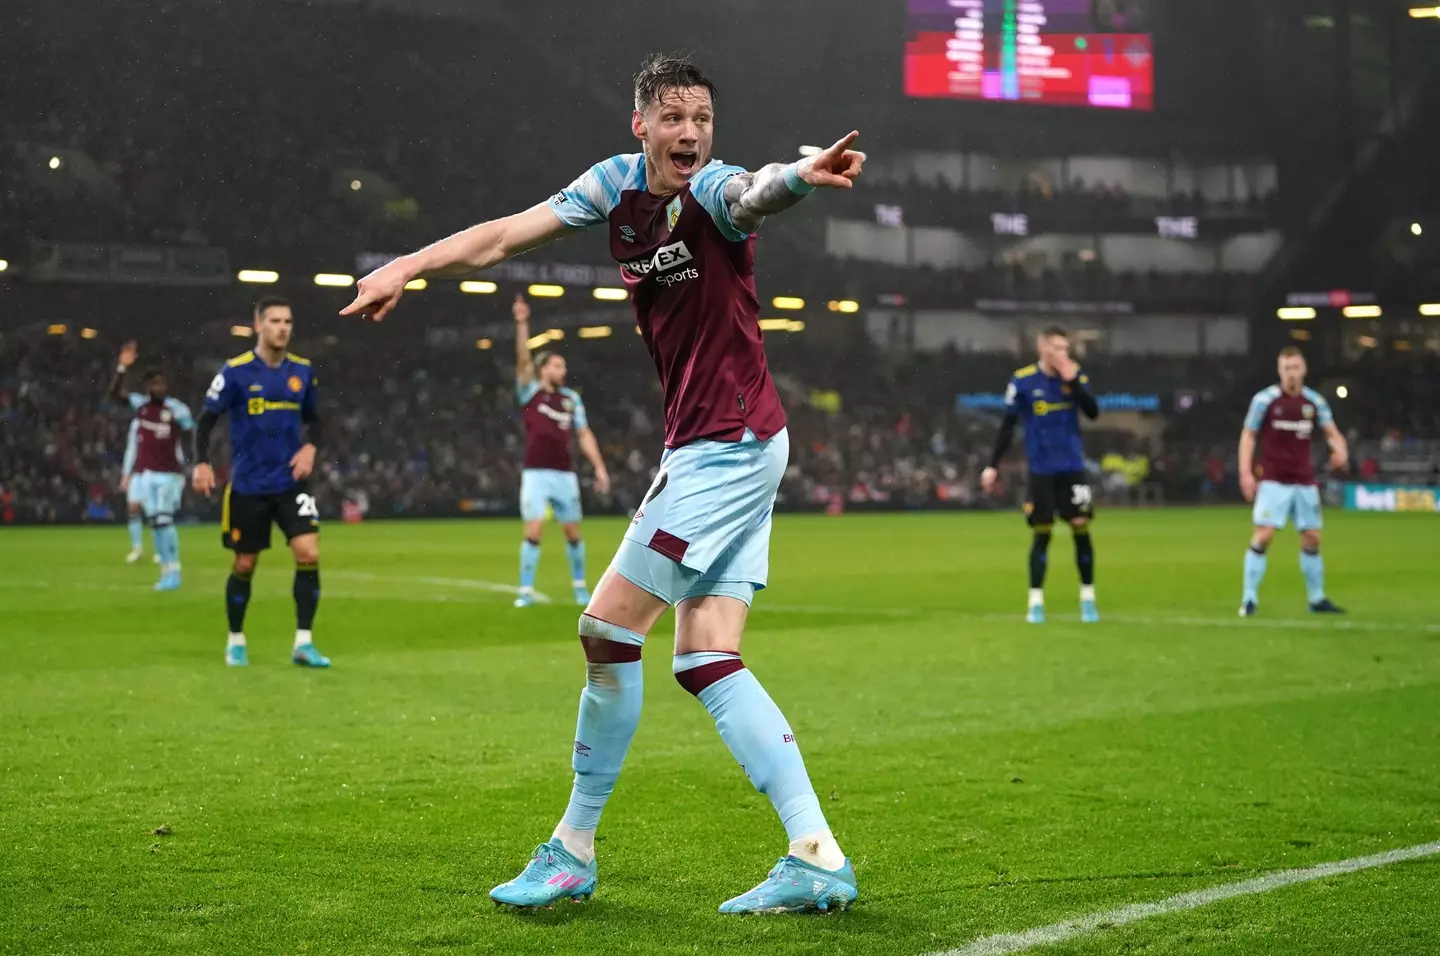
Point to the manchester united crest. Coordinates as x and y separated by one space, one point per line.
295 383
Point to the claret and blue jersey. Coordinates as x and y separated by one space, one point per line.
267 406
1047 407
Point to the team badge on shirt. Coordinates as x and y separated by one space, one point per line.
165 416
1308 411
295 383
672 212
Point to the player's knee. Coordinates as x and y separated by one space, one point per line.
1310 542
306 553
607 643
572 532
533 531
244 565
1080 525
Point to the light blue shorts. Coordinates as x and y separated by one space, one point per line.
158 492
704 527
1276 503
545 487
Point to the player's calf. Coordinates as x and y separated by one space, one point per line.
1085 564
1256 562
237 601
1039 563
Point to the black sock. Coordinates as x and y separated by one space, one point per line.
1085 555
307 595
237 599
1039 558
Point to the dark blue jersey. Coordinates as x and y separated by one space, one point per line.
1046 407
266 406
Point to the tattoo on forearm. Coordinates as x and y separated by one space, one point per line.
753 196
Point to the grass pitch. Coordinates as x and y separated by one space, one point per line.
985 776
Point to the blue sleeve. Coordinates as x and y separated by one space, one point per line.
132 439
708 188
1322 408
221 394
524 391
181 411
1013 405
1255 417
136 400
580 420
309 401
588 200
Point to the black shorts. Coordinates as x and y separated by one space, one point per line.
1066 494
246 519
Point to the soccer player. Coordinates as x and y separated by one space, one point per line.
135 514
156 475
1283 419
1050 396
269 394
550 412
681 226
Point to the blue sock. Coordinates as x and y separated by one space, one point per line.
1254 573
1313 567
137 527
756 733
609 714
575 551
529 561
171 537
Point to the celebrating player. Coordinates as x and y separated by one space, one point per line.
155 478
269 394
680 224
550 412
1283 418
1049 396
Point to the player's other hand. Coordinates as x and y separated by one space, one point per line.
836 167
1339 462
380 291
987 480
129 352
303 463
521 309
202 479
602 482
1247 485
1065 367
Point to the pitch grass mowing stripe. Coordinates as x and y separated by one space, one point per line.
1069 929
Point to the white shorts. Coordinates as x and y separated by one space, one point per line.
704 527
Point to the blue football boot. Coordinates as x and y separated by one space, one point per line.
795 886
307 655
552 874
235 656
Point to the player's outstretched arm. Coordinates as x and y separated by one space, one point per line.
524 369
129 352
590 448
771 189
477 248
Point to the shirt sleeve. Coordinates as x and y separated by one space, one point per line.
131 441
708 188
1255 417
181 411
1013 405
1323 414
136 400
221 394
309 400
580 420
588 200
524 391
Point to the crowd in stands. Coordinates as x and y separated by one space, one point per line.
420 431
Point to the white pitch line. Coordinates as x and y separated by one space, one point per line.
469 584
1059 932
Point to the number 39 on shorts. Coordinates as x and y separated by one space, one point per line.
307 506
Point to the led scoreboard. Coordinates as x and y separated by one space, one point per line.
1058 52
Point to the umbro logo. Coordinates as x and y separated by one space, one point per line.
581 749
627 234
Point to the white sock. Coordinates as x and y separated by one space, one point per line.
580 843
235 640
818 849
578 582
1087 592
1037 597
302 637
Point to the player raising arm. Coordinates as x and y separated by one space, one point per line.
550 412
1282 420
680 225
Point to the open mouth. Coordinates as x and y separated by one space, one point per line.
684 162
